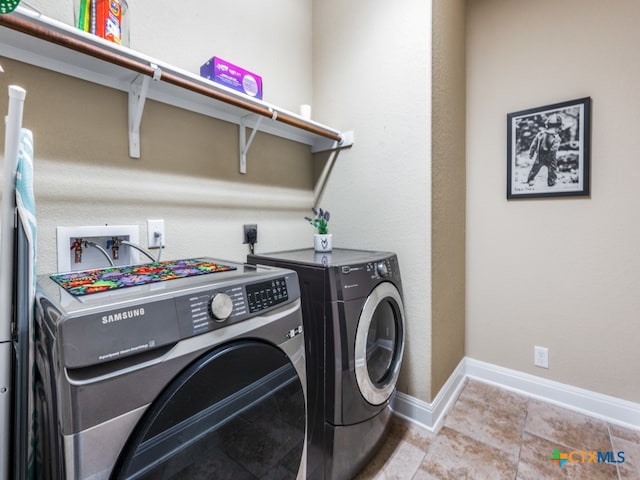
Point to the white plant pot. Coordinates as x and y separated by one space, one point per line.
323 243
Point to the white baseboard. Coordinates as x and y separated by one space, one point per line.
431 415
608 408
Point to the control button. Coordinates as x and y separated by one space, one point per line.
221 306
382 269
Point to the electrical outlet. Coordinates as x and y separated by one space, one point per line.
541 357
155 234
250 233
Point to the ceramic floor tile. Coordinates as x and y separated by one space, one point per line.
455 456
480 436
568 428
405 443
395 461
627 434
536 463
491 415
488 393
404 463
629 469
411 433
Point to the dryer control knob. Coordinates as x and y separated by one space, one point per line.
221 306
382 269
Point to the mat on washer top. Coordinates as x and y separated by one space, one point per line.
103 279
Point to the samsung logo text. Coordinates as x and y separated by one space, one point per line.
127 314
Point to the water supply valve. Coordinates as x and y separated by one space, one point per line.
114 244
76 246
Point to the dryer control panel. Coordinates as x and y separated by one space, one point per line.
356 281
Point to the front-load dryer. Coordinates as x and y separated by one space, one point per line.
353 317
198 374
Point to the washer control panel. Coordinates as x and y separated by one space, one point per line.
209 310
267 294
220 307
114 325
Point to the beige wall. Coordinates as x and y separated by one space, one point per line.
272 39
448 191
560 273
188 170
187 174
372 74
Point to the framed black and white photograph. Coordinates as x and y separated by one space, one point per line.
548 150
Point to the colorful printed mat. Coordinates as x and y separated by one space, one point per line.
101 280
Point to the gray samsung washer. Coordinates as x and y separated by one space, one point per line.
200 377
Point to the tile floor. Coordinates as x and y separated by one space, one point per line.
493 434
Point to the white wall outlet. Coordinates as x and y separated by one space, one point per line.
96 246
541 357
155 233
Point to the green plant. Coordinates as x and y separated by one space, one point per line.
321 220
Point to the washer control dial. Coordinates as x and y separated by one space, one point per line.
382 269
220 307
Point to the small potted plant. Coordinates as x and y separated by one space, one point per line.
322 240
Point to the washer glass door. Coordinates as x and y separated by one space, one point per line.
237 412
380 343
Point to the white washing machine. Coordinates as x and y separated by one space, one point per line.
197 377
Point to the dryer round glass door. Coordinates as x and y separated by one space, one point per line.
237 412
379 343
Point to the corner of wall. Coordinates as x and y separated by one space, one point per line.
448 190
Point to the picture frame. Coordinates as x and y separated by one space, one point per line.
548 150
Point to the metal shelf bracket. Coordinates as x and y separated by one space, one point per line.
246 144
137 97
321 183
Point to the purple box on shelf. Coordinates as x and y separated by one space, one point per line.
232 76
